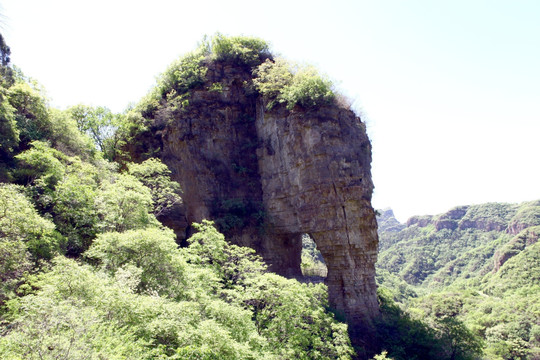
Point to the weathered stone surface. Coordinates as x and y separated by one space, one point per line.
267 177
315 177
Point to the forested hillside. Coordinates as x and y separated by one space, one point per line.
478 265
89 271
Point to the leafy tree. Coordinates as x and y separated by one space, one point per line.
401 335
442 313
156 176
25 238
106 313
459 342
153 251
100 124
67 138
74 208
66 189
9 140
6 73
31 113
291 316
124 203
61 320
232 264
42 165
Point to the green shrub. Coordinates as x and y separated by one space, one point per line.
239 49
271 78
308 89
277 81
153 251
184 74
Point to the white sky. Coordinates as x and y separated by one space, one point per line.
450 90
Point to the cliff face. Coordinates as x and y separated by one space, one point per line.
315 175
267 177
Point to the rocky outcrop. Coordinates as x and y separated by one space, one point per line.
420 221
386 221
315 181
267 177
485 217
524 239
450 219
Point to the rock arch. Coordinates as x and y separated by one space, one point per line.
266 177
315 178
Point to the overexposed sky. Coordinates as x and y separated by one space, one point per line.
450 90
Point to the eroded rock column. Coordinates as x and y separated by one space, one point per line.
315 170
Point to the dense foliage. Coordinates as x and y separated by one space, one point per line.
280 82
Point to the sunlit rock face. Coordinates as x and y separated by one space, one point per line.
314 170
268 176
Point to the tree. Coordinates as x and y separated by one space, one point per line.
9 140
62 321
459 342
67 138
31 114
124 203
153 251
25 238
100 124
291 316
6 73
156 176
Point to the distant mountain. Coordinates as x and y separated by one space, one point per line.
387 221
483 259
464 242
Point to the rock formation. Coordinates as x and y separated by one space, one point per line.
386 221
268 176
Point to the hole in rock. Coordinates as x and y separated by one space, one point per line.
313 265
